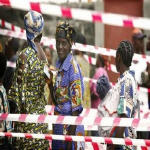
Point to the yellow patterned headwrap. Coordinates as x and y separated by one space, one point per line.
64 30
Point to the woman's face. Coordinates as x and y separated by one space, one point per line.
63 48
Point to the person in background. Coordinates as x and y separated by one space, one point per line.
100 71
27 88
138 41
128 101
85 70
11 47
68 90
49 55
139 65
146 83
5 126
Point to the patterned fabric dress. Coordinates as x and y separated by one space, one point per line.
121 99
128 102
69 94
3 97
28 92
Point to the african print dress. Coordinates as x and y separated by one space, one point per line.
28 92
68 91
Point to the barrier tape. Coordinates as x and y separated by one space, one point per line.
64 1
10 26
144 124
91 112
80 14
106 140
11 64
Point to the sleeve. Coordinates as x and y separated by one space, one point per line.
76 89
17 91
126 105
22 74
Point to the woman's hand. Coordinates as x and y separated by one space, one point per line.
49 81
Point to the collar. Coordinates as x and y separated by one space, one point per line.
66 64
128 71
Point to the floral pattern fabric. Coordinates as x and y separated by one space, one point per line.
128 101
3 98
68 91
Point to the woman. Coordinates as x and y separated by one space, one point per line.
99 71
125 93
29 81
68 89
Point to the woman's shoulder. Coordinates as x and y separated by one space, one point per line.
74 65
26 53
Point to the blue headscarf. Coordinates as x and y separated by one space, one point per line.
102 86
34 23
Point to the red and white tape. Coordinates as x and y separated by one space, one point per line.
10 26
107 140
63 1
80 14
144 124
11 64
90 112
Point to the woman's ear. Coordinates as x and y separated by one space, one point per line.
118 57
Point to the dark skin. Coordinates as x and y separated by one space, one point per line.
40 52
9 52
121 68
48 55
138 45
63 49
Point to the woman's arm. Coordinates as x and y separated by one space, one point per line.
40 52
51 88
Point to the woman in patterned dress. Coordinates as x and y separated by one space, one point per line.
124 102
28 84
67 93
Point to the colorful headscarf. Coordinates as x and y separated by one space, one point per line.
34 25
64 30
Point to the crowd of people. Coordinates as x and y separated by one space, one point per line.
29 81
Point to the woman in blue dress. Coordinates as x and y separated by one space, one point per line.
67 93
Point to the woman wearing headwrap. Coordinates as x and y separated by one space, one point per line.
28 84
68 88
